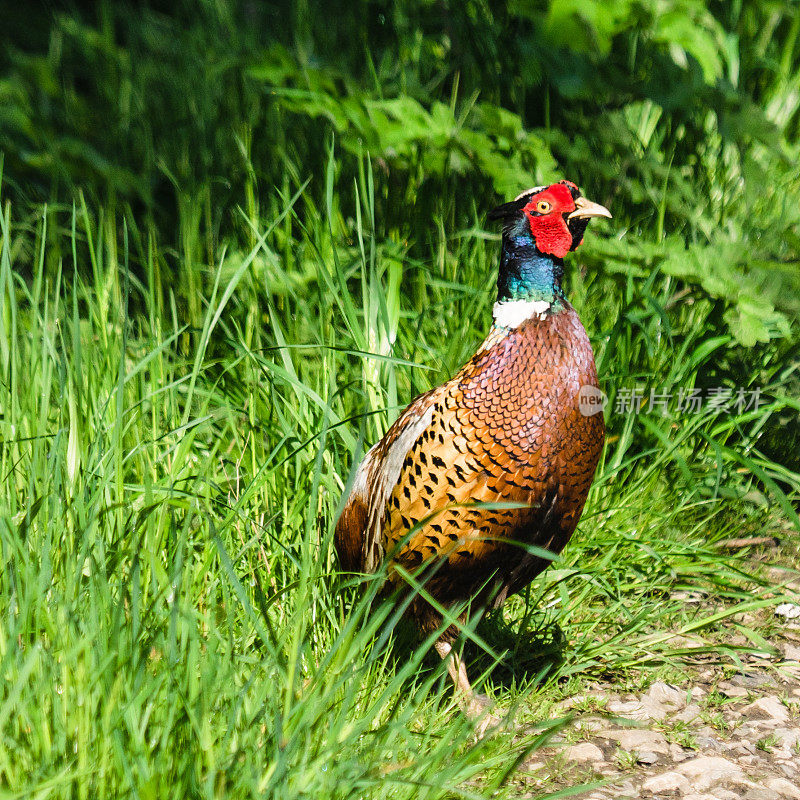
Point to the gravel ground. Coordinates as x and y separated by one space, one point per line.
720 733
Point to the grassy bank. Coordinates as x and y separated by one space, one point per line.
172 620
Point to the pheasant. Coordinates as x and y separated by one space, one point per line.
479 474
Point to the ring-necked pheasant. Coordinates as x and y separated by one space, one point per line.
507 429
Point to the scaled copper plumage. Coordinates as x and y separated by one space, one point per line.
506 429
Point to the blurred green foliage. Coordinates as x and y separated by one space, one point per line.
680 115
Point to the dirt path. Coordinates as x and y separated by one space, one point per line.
717 735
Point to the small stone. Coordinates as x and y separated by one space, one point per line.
646 757
784 788
789 738
689 714
760 657
591 725
697 693
788 610
667 695
710 743
641 710
788 770
705 771
790 652
761 793
733 719
639 739
584 753
625 790
771 706
731 690
677 753
622 706
667 782
750 680
725 794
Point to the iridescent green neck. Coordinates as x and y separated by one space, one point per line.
525 272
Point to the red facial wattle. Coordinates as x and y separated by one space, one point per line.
551 234
550 230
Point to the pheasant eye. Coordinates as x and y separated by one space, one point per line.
543 207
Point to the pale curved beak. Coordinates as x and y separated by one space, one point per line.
586 208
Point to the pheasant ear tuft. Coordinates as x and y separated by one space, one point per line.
513 207
508 209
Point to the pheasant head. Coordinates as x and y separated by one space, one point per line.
540 227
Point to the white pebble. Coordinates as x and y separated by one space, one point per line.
788 610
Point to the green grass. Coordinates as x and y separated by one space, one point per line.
171 618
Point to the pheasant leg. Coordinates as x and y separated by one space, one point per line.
471 704
455 668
